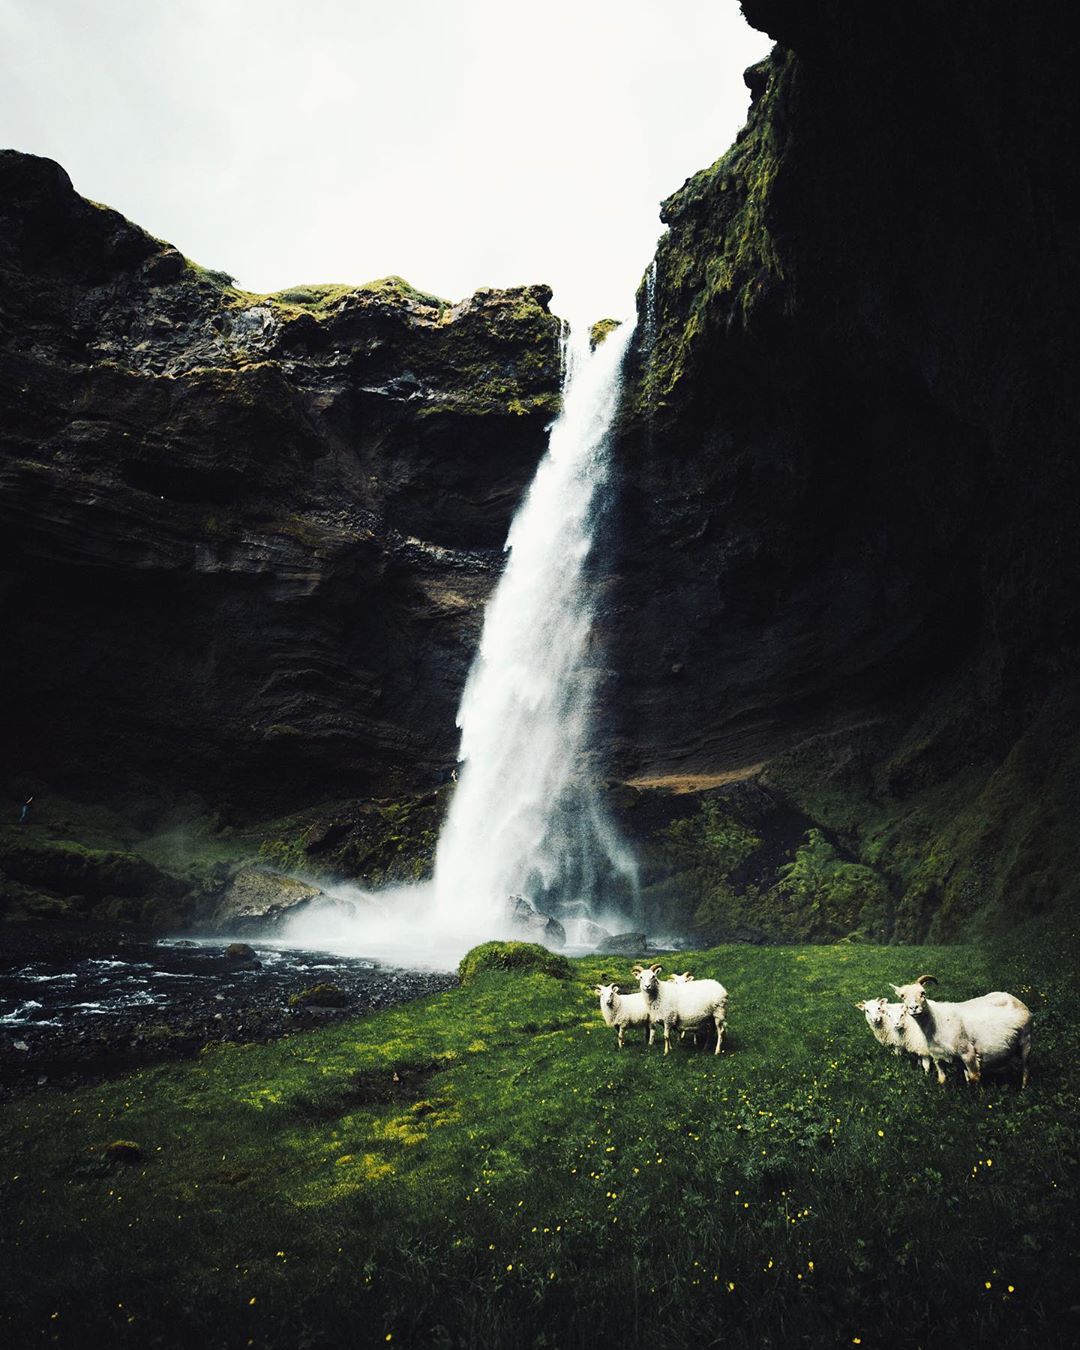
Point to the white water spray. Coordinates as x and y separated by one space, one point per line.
527 817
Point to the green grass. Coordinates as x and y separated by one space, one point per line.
521 1182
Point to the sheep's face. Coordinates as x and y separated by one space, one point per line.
874 1010
913 996
897 1015
607 994
648 977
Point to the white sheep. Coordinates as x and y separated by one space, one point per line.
685 978
685 1003
624 1010
881 1019
985 1033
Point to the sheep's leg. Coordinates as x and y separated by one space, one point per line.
720 1028
621 1034
1025 1053
650 1034
667 1038
924 1060
940 1072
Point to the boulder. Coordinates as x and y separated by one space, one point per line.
532 925
591 934
259 898
239 951
623 944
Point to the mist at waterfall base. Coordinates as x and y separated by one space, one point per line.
526 818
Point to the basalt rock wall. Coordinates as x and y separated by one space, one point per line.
247 538
847 543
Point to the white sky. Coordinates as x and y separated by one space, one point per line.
459 143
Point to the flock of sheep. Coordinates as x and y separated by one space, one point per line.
990 1033
678 1004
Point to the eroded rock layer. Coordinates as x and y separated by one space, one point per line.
247 538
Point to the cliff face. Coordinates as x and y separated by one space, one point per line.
247 538
849 472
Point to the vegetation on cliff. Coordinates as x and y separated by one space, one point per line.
846 518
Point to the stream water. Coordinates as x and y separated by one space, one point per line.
78 1003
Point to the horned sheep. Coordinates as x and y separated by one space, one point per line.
685 1003
985 1033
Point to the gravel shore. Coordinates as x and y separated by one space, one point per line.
80 1004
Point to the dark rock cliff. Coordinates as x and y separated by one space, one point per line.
246 538
849 470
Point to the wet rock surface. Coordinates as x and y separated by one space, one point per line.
256 896
80 1005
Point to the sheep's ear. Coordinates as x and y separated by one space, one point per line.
897 990
861 1006
924 980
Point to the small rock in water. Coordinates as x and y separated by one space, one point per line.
628 944
320 996
240 951
20 1045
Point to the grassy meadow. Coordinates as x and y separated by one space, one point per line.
484 1168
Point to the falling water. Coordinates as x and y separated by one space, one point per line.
527 817
648 335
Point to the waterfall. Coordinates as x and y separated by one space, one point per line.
648 335
527 817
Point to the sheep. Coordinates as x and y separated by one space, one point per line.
684 978
881 1019
624 1010
683 1004
984 1033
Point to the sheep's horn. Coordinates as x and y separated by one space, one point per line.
926 979
636 970
657 968
686 975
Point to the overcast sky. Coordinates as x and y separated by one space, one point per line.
460 143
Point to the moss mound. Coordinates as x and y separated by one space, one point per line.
519 956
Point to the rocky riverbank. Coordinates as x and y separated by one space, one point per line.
80 1005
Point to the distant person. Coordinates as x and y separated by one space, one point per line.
24 813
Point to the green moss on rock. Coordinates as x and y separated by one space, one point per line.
523 957
601 329
719 259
